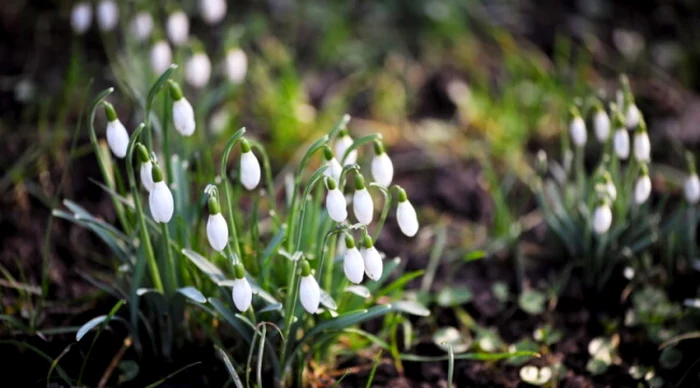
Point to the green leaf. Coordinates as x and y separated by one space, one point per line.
358 290
94 322
467 356
270 307
411 307
192 294
204 265
328 301
229 367
400 283
532 302
454 296
670 358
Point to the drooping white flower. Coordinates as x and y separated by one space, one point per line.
250 167
611 190
236 65
642 189
632 116
183 113
217 229
146 172
601 125
362 203
213 11
341 146
242 294
577 130
691 188
406 215
335 202
602 218
107 15
621 143
141 26
81 17
117 137
160 199
353 263
198 70
372 259
161 57
641 145
334 169
178 28
309 291
382 167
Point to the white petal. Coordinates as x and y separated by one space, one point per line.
336 205
407 219
342 145
178 27
642 189
363 206
107 15
621 143
642 147
161 57
577 129
198 70
146 173
242 294
334 170
382 169
213 11
354 265
601 126
217 231
142 25
81 17
632 116
602 219
309 294
161 202
373 263
236 65
183 117
117 138
250 170
691 187
612 191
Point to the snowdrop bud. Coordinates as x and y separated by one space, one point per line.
309 291
217 229
641 143
213 11
353 264
632 116
691 187
602 218
541 165
406 215
371 258
146 170
362 203
341 146
577 129
160 199
236 65
334 169
141 26
198 70
601 125
183 114
642 188
107 15
250 167
178 28
117 137
161 57
621 143
81 17
382 168
335 202
242 294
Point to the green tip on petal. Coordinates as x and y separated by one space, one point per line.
142 153
349 242
359 182
327 153
175 90
110 112
643 169
239 271
245 146
305 268
574 112
214 207
378 147
367 241
157 173
343 132
402 195
642 126
330 182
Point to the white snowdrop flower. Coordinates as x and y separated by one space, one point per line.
602 218
382 168
213 11
160 199
198 70
236 65
107 15
577 130
632 116
362 203
183 113
242 294
406 215
642 188
335 202
691 188
341 146
178 28
334 169
161 56
81 17
621 143
217 229
608 186
117 137
641 144
372 260
601 125
353 263
309 291
146 169
250 167
141 26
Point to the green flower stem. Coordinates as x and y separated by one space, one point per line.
318 175
579 154
385 208
344 172
268 181
160 82
172 273
289 307
227 190
341 124
359 143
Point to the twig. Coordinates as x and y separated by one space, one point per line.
115 361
